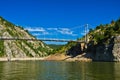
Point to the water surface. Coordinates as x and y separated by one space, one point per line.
59 70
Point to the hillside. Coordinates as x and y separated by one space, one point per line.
103 33
19 48
103 44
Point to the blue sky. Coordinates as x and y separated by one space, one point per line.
59 18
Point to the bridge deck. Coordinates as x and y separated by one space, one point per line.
51 40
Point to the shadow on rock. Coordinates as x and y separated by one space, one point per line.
100 52
74 50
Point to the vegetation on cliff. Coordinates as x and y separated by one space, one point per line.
64 48
103 33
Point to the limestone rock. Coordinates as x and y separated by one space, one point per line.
116 49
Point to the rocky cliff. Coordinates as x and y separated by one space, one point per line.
105 52
19 48
116 49
100 52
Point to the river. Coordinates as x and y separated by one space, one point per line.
59 70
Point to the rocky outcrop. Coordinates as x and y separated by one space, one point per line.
75 50
105 52
116 49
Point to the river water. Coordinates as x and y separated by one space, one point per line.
59 70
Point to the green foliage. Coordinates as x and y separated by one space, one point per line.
100 27
55 48
112 22
1 48
64 48
42 49
6 23
99 37
102 33
91 30
117 26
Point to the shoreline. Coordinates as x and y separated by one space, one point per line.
21 59
55 57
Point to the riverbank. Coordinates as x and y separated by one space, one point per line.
63 57
21 59
56 57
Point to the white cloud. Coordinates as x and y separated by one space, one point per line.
41 33
35 29
66 31
36 34
50 31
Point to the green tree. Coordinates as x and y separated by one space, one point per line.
112 22
117 26
91 30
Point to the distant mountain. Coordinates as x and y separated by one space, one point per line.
55 46
19 48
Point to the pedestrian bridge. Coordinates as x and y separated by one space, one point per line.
51 40
80 29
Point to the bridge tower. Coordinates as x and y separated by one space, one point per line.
86 35
86 31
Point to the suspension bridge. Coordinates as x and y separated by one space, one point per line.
51 40
85 29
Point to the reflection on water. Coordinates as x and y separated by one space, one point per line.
53 70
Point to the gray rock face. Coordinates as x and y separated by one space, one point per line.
116 49
74 50
103 52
